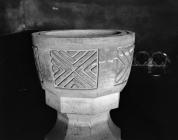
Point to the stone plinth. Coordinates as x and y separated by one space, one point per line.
83 73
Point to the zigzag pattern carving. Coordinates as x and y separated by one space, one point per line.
75 69
124 63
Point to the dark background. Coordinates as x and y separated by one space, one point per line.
154 21
148 106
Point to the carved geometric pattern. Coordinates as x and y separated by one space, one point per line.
75 69
124 62
37 63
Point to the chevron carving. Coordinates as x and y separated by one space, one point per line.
124 62
75 69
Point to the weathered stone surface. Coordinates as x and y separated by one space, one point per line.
84 127
83 73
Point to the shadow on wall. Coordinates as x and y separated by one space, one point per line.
155 22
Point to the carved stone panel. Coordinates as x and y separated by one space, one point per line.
37 63
123 62
74 69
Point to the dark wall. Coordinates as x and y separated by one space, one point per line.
154 21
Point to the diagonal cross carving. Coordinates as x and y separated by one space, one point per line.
75 69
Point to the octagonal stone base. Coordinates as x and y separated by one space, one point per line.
82 106
83 118
84 127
